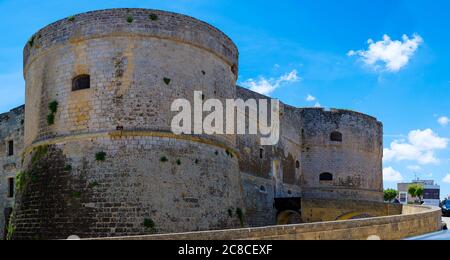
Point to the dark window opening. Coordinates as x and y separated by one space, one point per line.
261 153
262 188
336 137
81 82
10 148
10 187
326 176
297 164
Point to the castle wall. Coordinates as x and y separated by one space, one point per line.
107 164
150 180
292 168
355 162
11 129
274 174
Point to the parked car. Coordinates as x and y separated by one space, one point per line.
446 208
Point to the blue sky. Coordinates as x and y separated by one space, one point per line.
295 49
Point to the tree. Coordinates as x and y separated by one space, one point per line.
416 191
390 195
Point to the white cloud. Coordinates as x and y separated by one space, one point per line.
447 179
393 55
443 121
266 86
311 98
420 147
414 168
318 105
391 175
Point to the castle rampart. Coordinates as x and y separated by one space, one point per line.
100 159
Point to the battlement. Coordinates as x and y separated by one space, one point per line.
132 23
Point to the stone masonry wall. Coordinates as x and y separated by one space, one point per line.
140 61
414 221
11 129
69 192
355 162
151 180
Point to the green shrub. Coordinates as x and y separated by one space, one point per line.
68 168
240 215
178 162
20 180
167 81
153 17
51 119
10 228
93 184
53 106
76 194
164 159
100 156
39 153
130 19
71 18
150 225
31 41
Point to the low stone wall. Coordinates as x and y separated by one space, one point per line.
319 210
415 220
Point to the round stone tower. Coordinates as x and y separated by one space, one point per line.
100 157
341 155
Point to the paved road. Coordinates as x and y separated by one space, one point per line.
443 235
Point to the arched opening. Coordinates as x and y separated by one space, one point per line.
81 82
289 217
336 137
297 164
326 176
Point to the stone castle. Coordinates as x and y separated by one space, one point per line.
92 153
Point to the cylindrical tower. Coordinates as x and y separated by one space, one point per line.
341 155
100 157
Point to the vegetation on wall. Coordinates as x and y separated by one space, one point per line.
76 194
20 179
53 108
153 17
130 19
68 168
71 18
31 41
100 156
167 81
93 184
149 225
10 228
240 215
164 159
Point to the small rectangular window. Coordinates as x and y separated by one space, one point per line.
10 187
10 148
261 153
